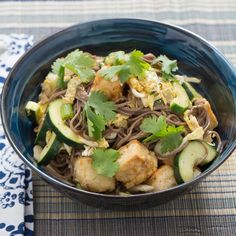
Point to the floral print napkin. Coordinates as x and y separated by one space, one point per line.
16 199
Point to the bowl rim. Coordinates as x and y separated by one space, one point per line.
57 182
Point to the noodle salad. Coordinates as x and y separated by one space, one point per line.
122 124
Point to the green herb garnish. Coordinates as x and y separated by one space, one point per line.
78 62
98 111
169 135
131 65
168 66
104 161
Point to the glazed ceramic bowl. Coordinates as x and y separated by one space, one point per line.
195 56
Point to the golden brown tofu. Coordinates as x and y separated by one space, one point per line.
112 89
163 178
137 164
88 178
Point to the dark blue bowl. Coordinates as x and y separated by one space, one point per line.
196 57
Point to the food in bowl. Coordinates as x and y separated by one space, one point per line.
124 123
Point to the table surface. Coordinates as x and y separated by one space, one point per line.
210 209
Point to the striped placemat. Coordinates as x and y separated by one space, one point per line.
210 209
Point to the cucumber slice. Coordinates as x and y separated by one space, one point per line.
181 102
185 162
43 128
33 111
190 90
63 132
212 153
67 111
49 151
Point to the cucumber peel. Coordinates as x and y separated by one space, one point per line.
43 128
186 161
49 151
181 102
33 111
63 132
67 111
190 90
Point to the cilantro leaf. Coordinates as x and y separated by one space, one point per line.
170 142
124 74
110 72
98 111
153 124
159 128
137 65
168 66
101 105
56 66
59 70
170 129
115 58
78 62
85 74
79 58
104 161
95 122
132 64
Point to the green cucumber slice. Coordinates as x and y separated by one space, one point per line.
63 132
33 111
67 111
181 102
43 128
212 153
186 161
190 90
49 151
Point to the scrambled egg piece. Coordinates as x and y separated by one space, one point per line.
136 163
191 121
102 143
146 89
120 120
148 101
135 84
88 151
87 177
167 92
68 74
197 134
112 89
151 88
147 85
71 90
37 151
212 117
49 85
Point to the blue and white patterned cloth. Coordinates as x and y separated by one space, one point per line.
16 199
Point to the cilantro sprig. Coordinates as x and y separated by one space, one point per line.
168 66
169 135
131 64
98 111
78 62
104 161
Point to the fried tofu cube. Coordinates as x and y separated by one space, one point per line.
136 163
88 178
163 178
112 89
